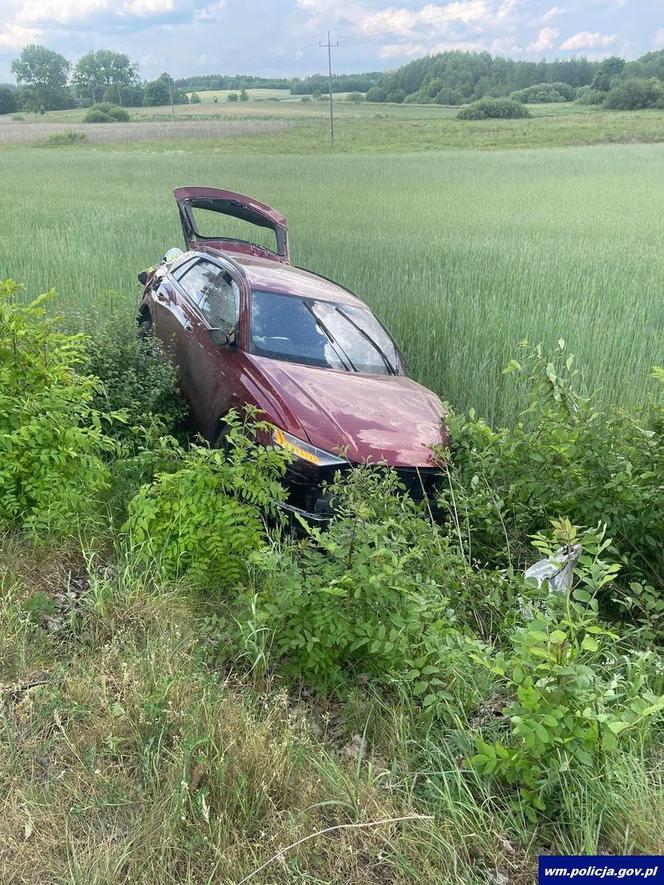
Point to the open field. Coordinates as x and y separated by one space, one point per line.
462 254
208 95
368 128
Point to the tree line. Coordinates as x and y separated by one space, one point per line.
47 81
455 78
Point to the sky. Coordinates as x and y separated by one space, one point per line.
267 38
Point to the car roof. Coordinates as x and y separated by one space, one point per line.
276 276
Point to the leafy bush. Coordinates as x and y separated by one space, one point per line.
499 108
106 112
576 695
376 94
51 437
590 96
232 96
568 456
633 94
195 98
204 520
138 379
72 136
371 595
96 116
8 104
542 92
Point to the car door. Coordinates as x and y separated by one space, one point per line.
168 310
209 369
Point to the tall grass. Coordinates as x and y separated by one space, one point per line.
462 254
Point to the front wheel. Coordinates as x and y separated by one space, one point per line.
144 325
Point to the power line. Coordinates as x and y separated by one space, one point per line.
329 46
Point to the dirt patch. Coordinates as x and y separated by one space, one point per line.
109 133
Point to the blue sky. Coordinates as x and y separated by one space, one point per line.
281 38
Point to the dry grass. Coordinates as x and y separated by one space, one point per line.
107 133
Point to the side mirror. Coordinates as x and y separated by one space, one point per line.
222 337
143 277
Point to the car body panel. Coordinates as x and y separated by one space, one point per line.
234 205
367 417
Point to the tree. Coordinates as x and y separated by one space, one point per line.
195 98
7 101
243 95
355 97
103 71
376 93
232 96
157 92
607 71
629 95
44 73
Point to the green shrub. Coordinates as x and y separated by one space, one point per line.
590 96
542 92
633 94
51 438
575 694
568 456
195 98
204 520
72 136
8 103
120 115
488 108
371 595
96 116
106 112
376 94
137 376
232 96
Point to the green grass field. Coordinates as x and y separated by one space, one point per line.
462 253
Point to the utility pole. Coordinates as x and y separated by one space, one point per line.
170 86
329 74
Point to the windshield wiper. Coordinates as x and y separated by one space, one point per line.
335 344
388 365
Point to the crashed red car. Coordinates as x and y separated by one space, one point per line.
245 326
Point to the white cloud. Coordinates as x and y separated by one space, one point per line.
144 8
504 46
552 13
544 40
15 36
59 11
416 50
211 12
588 40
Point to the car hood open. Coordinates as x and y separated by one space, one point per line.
376 417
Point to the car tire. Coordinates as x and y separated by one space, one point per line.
145 325
221 439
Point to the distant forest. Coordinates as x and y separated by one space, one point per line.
452 78
297 85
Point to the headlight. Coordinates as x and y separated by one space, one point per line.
304 450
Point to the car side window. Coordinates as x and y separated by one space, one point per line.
214 292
